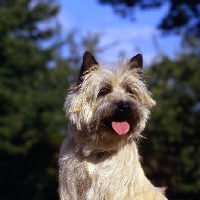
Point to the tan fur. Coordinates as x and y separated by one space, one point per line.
96 163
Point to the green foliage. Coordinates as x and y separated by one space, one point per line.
24 75
31 116
171 152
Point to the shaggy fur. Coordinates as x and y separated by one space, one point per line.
99 160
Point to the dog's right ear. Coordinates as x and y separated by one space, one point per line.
137 63
89 63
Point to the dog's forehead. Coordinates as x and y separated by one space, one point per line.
114 77
119 68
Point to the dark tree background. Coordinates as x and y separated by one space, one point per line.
30 104
171 152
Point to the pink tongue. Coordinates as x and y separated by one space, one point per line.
121 127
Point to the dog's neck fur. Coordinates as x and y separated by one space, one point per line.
87 174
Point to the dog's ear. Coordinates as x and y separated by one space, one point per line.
89 63
136 63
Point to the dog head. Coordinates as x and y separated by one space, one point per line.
108 106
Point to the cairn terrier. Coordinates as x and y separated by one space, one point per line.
107 109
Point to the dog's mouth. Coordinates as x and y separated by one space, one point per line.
121 128
120 120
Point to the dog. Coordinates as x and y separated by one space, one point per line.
107 107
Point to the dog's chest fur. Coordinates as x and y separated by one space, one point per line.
105 175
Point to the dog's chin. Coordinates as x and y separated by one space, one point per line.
110 132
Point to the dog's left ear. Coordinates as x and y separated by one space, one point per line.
89 63
136 63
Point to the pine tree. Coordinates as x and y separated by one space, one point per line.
29 121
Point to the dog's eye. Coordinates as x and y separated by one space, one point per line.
132 93
104 91
129 91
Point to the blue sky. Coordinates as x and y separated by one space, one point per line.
132 37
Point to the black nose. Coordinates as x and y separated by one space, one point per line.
122 111
123 108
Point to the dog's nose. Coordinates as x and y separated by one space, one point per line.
123 108
122 111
